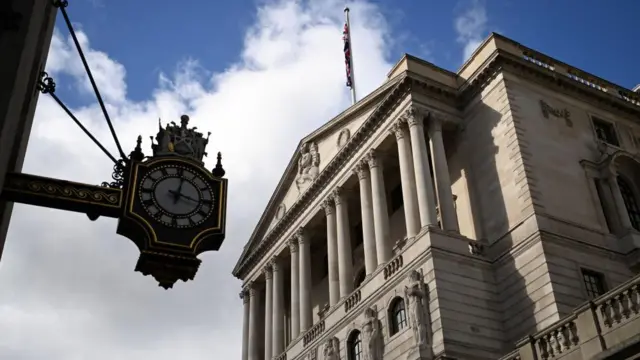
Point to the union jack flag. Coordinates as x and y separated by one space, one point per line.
347 53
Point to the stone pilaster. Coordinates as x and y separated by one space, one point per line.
268 313
254 313
345 261
306 316
366 210
244 295
424 182
277 335
380 213
407 177
332 252
295 293
441 173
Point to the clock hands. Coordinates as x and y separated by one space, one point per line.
177 195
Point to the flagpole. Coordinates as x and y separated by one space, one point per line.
353 78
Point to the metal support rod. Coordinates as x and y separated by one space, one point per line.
62 4
64 107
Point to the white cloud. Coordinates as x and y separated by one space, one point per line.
68 286
471 26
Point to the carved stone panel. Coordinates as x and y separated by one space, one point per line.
343 137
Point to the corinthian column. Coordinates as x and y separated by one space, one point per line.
254 312
332 252
268 306
407 177
366 210
443 181
295 294
380 213
424 182
306 316
277 335
244 295
344 243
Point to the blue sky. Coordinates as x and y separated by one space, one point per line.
258 75
591 35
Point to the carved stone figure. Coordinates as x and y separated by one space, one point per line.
372 337
282 209
416 298
332 349
308 165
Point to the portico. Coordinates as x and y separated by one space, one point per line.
353 227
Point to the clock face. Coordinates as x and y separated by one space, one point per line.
176 196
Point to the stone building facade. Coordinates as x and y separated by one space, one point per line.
451 215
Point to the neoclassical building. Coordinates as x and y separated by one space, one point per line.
485 214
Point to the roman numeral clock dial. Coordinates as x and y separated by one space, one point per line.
176 196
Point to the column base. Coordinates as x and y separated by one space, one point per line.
420 353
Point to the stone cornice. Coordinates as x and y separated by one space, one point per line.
500 61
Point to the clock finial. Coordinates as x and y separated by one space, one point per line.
218 171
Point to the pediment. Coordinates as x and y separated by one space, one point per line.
313 154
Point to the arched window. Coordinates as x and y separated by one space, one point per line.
397 316
359 279
354 346
630 202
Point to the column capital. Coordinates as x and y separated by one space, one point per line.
328 206
244 295
268 271
275 265
339 194
374 159
251 289
414 116
435 122
293 244
362 169
302 236
398 129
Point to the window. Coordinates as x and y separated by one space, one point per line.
396 198
354 346
605 131
397 316
629 202
593 283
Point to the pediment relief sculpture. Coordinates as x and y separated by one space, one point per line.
332 349
343 137
308 166
372 337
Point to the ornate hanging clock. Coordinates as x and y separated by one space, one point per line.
174 208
